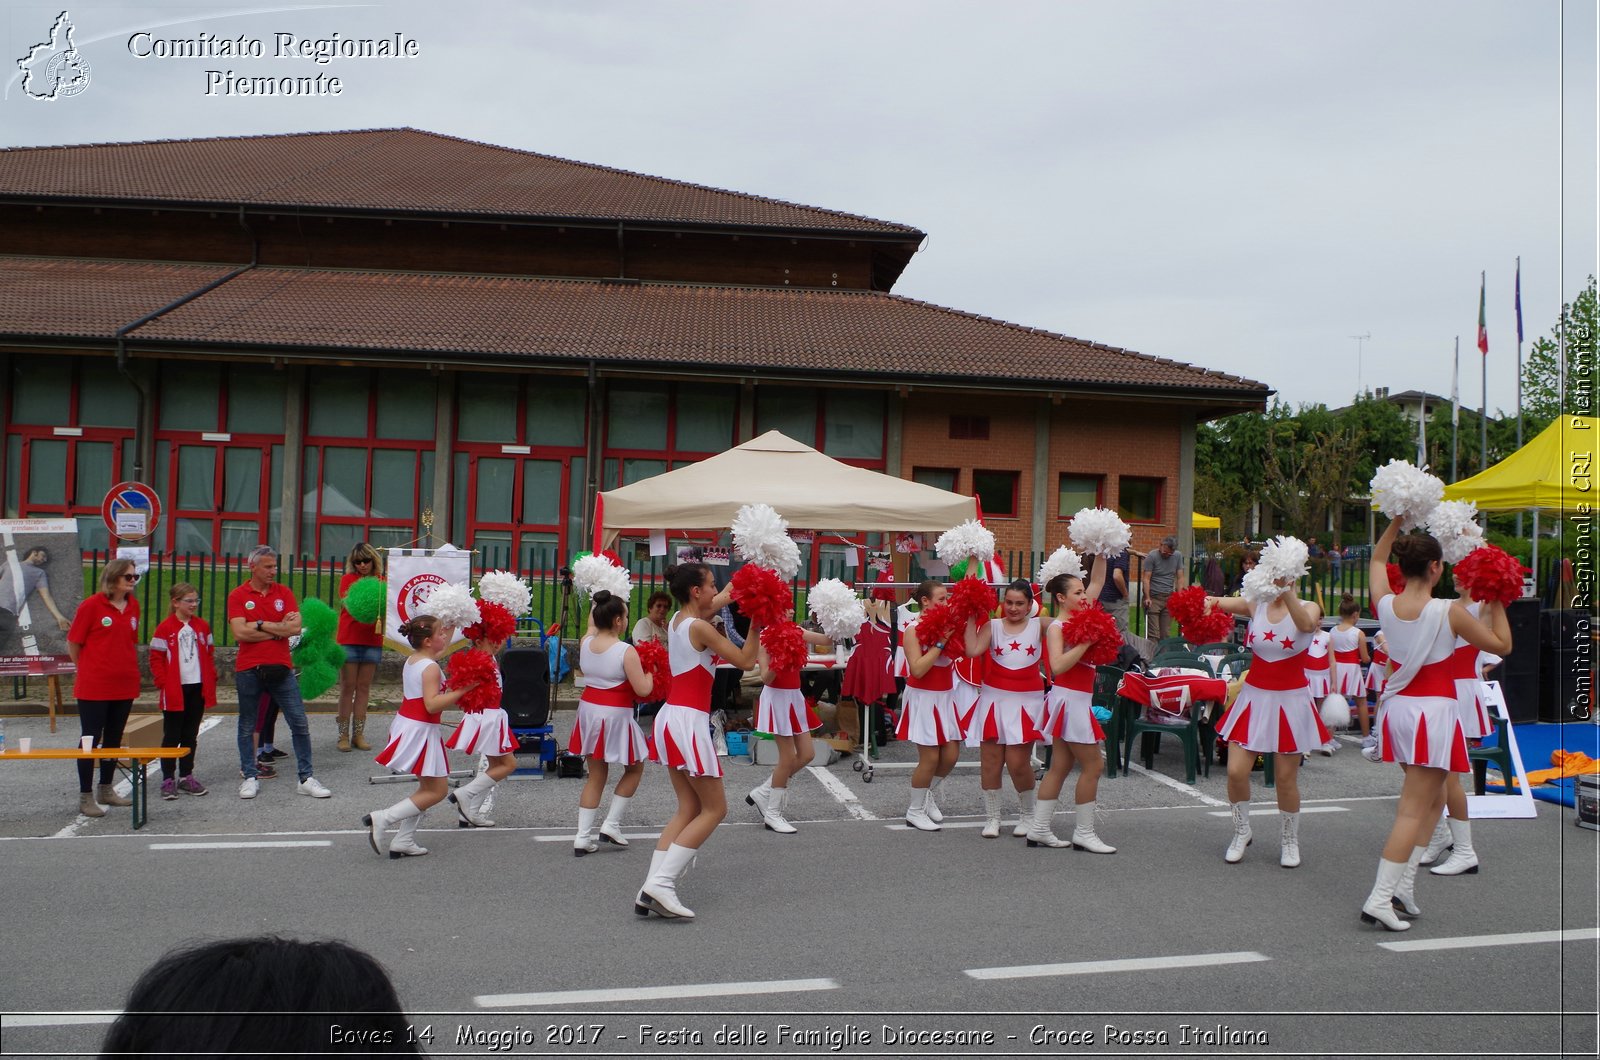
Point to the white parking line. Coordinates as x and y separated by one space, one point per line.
242 846
655 993
1273 812
56 1019
1515 938
1162 778
1136 964
846 797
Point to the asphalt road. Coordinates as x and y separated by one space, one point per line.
854 937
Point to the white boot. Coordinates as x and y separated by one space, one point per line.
611 827
917 815
932 807
1405 896
640 906
759 795
1241 833
991 808
1463 859
1083 834
1379 907
584 842
1041 831
1289 840
404 844
466 800
1024 815
378 820
773 818
1440 842
660 893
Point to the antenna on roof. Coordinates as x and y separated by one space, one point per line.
1359 340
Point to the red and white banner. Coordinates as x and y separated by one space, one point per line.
412 574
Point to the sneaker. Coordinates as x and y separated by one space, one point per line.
190 786
275 753
265 771
248 789
1326 750
310 786
169 789
1369 749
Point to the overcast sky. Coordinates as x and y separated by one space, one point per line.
1241 185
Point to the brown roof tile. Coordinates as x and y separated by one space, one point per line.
856 334
396 170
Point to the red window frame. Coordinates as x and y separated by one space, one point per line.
1099 491
1160 485
969 428
1016 490
953 472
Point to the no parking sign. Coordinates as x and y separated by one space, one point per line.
131 510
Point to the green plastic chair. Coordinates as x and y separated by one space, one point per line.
1233 665
1187 659
1172 644
1217 647
1188 734
1106 680
1499 754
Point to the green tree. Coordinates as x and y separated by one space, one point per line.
1541 393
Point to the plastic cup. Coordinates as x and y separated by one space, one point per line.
87 743
24 744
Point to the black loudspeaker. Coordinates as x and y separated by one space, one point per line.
1519 673
1566 666
525 677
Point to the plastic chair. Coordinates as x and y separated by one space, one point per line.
1231 666
1183 659
1187 734
1106 680
1172 644
1218 647
1499 754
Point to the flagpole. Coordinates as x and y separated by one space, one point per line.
1483 347
1519 370
1455 415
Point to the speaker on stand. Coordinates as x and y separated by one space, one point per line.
525 695
1566 666
1518 673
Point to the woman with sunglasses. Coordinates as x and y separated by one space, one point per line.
104 646
363 647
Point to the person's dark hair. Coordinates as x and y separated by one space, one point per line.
419 629
607 609
1348 607
1414 552
1023 586
1061 583
1251 558
924 590
684 578
37 548
261 995
658 597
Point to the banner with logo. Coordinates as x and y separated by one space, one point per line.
413 573
41 585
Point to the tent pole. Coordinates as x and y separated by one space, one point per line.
1535 563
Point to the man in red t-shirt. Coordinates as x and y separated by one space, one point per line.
263 615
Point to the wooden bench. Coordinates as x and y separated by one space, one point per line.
138 756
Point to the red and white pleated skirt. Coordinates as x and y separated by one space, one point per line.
1272 721
1005 717
683 741
1320 682
414 747
1476 722
1347 679
486 732
927 717
609 734
1069 716
1423 731
784 712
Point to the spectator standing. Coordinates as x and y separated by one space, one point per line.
1114 597
103 643
183 663
263 615
363 648
1163 575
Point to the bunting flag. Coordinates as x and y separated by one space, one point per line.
1483 325
1519 301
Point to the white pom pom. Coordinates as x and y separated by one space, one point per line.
1336 712
1403 491
1259 588
506 589
838 609
1455 525
761 536
1285 558
1099 532
959 543
1062 561
452 605
595 572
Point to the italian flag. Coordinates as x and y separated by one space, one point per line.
1483 326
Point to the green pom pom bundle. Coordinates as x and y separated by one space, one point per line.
318 621
364 599
318 657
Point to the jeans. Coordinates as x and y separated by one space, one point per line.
286 697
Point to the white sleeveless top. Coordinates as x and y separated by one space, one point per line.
1275 641
1015 651
1401 635
411 676
681 652
1345 639
603 669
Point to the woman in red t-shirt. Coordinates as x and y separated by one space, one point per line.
363 646
104 645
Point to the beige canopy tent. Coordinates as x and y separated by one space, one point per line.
810 490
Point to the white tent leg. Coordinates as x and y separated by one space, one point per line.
1535 563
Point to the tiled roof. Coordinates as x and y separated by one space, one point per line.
396 170
848 334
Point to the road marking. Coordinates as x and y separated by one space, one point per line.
56 1019
1187 789
569 837
912 765
152 775
242 846
901 826
1136 964
1273 812
846 797
1515 938
654 993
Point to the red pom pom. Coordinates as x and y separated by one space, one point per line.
884 594
469 666
762 596
494 624
1490 573
1208 628
937 623
616 560
1186 605
1093 625
785 644
658 664
1397 581
972 597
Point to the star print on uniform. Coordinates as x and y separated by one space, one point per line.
1250 638
1287 643
1269 635
998 651
1016 646
1031 649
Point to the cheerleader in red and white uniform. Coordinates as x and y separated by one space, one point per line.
1454 832
1070 723
1273 714
1319 678
1005 722
1419 722
1349 646
415 745
605 732
486 731
683 734
928 715
783 713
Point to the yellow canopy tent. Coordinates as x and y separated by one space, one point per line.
1204 522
